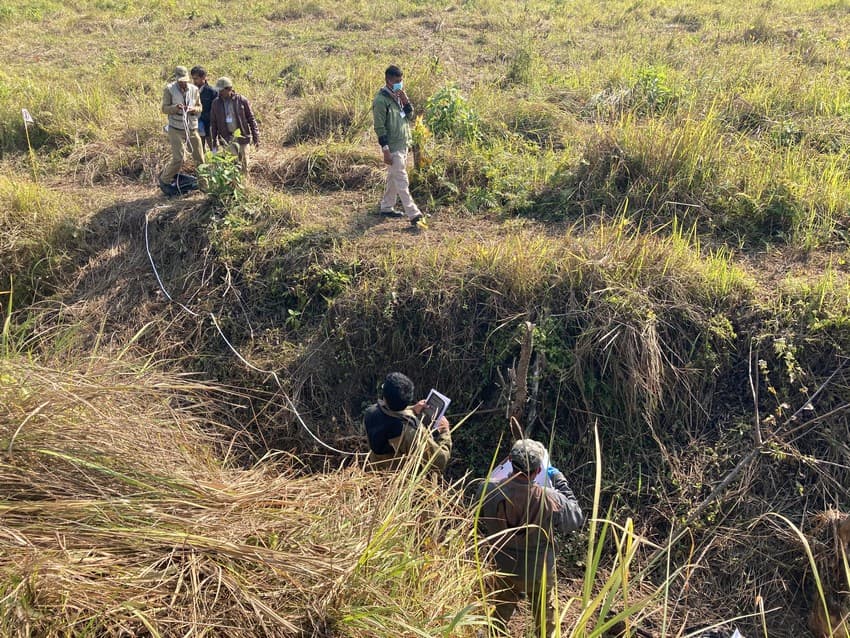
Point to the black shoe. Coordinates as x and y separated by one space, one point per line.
418 221
392 212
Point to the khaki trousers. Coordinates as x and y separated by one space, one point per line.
512 590
177 139
398 186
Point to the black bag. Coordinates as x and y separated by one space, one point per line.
182 184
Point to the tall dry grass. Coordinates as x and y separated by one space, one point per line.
119 517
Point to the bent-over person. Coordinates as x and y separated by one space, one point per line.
395 429
520 519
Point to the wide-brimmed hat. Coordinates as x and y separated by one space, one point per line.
223 83
181 74
527 456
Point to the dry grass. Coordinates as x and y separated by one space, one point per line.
120 518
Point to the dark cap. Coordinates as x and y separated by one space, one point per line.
527 456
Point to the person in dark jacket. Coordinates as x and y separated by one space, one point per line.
520 519
208 94
396 432
232 123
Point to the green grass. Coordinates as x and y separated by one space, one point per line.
660 187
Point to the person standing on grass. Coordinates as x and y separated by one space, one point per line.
395 430
392 112
181 102
208 94
232 123
520 519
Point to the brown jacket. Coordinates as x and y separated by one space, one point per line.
520 519
245 122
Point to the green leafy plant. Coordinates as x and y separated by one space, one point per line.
222 175
448 114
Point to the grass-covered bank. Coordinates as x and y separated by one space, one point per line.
123 512
660 188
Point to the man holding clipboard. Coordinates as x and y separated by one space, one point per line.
396 427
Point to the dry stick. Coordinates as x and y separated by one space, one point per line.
518 407
742 464
754 390
535 389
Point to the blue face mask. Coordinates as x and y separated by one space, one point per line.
398 86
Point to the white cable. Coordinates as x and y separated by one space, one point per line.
186 122
156 273
236 352
282 391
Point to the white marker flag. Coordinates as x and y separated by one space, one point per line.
27 117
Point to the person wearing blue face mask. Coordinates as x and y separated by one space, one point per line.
392 112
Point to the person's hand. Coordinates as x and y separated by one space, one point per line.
388 157
256 143
403 97
443 425
417 409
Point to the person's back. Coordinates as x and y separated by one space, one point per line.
395 431
519 518
523 517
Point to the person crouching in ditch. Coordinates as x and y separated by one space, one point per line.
395 429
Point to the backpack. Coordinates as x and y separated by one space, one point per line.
182 184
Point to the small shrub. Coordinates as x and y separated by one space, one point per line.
323 118
787 134
654 89
222 173
521 65
448 114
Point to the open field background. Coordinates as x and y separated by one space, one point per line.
662 188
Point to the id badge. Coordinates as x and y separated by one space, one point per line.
229 119
403 114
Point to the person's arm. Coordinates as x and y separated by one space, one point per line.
214 123
379 115
167 107
196 107
252 123
406 106
440 445
567 515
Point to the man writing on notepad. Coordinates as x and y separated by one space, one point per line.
396 431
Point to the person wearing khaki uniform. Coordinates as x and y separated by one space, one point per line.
392 111
396 432
519 519
181 102
232 123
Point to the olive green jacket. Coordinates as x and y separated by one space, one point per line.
392 121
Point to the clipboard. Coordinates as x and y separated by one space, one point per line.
506 468
435 408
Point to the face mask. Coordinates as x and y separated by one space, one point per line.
398 86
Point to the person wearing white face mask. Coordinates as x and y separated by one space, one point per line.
392 112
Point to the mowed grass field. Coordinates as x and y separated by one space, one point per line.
659 187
